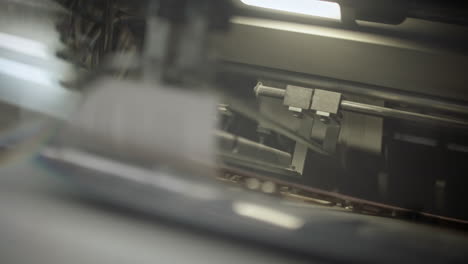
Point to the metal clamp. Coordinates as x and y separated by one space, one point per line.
300 100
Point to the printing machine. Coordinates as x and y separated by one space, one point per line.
263 131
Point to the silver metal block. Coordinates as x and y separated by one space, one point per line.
297 96
325 101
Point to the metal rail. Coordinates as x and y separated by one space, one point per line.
400 114
373 91
375 110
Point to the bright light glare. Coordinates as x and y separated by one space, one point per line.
305 7
24 46
25 72
268 215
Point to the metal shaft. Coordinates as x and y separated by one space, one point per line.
374 110
400 114
241 146
269 91
373 91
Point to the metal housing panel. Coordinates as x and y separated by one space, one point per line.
343 54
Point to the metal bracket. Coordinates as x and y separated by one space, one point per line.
300 150
300 100
331 135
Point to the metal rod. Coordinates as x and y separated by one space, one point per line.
400 114
261 89
374 110
373 91
241 146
